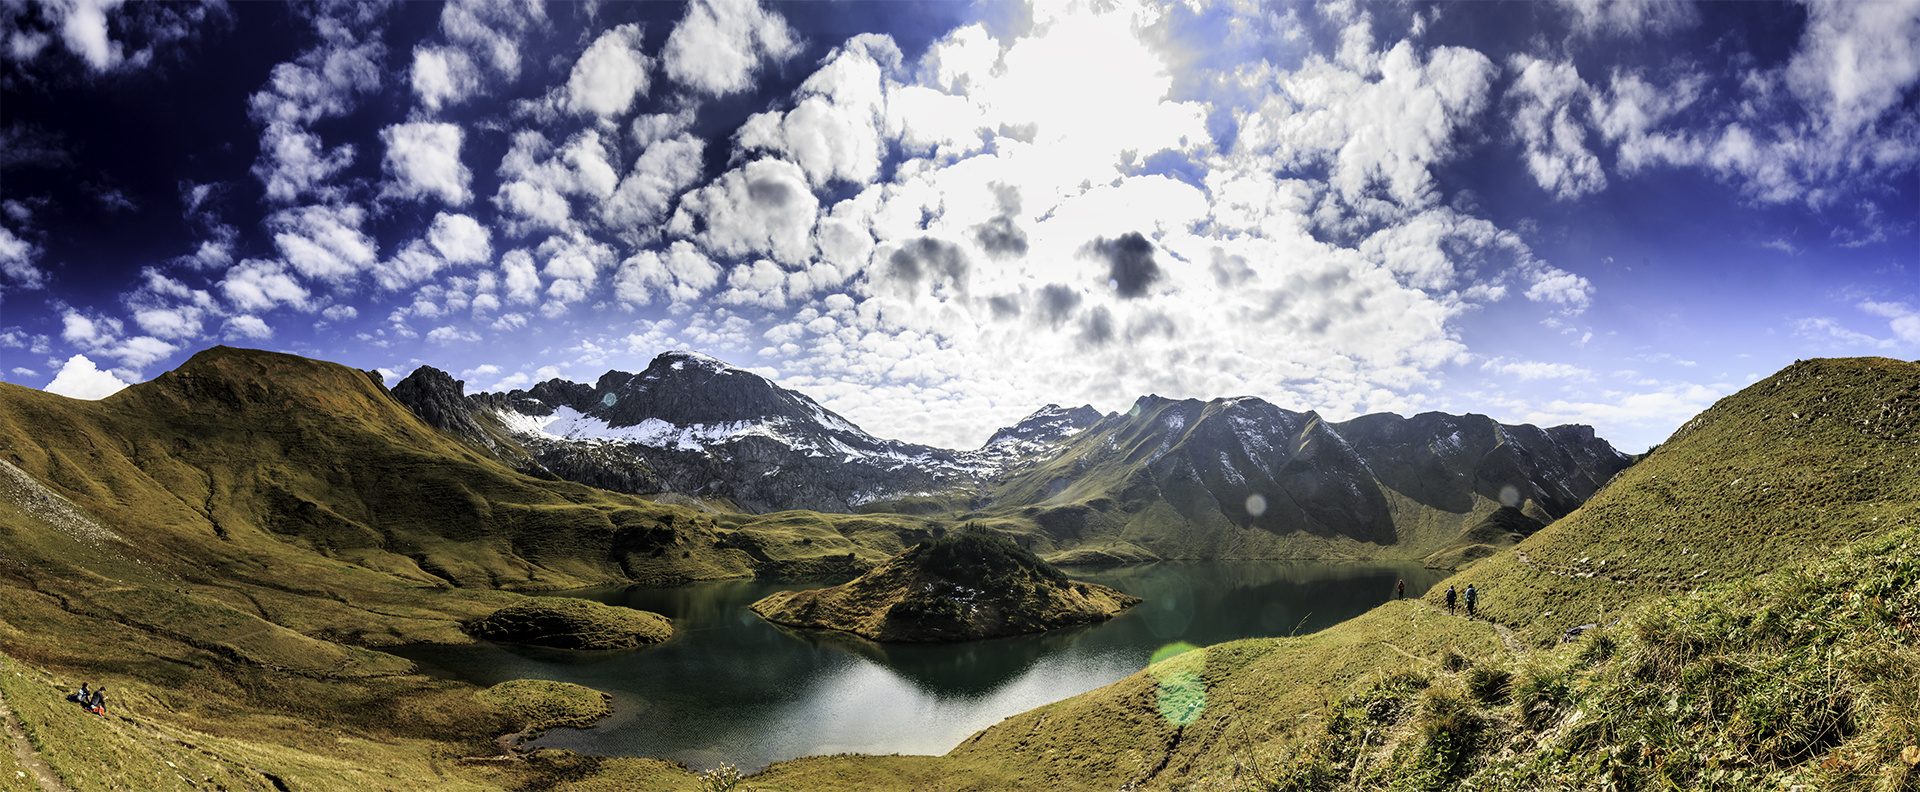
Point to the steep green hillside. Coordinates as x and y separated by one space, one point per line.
1804 462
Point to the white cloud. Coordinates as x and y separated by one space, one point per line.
324 242
18 261
87 29
491 29
666 168
681 274
414 263
522 278
1387 131
1630 17
248 327
321 82
1902 318
572 267
460 239
1546 96
255 285
443 76
1856 62
537 180
1551 284
717 47
609 74
89 332
1633 111
81 379
763 207
449 334
169 309
423 159
834 133
1526 370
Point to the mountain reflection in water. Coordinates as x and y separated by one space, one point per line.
732 688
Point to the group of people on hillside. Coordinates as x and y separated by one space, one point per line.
94 701
1473 597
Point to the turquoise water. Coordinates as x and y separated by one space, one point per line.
731 688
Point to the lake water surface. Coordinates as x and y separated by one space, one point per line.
732 688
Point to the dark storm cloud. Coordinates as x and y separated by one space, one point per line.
928 260
1005 306
1230 270
999 236
1154 324
1097 328
1130 265
770 193
1057 302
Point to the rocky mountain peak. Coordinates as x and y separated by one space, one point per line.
438 399
688 388
1047 424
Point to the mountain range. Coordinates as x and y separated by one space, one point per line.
234 545
1169 478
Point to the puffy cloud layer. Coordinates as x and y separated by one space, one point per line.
1088 207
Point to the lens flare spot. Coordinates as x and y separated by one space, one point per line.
608 400
1171 650
1510 496
1183 697
1256 504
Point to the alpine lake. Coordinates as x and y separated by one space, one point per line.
732 688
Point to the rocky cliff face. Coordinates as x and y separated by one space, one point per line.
1236 477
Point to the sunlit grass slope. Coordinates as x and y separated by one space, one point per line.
1821 454
1807 678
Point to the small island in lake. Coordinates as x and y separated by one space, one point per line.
567 623
969 584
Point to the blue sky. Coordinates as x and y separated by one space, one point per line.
937 217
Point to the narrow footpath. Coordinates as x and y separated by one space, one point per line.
24 752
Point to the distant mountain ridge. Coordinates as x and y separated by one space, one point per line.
1226 476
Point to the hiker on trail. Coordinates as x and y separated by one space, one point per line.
1400 590
83 696
1450 596
1472 597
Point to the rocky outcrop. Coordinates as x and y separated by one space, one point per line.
970 584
